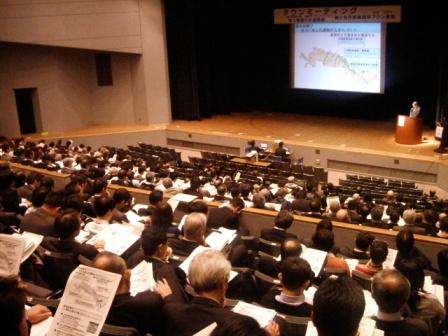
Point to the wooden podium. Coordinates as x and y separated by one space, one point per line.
408 130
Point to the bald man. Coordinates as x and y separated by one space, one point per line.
143 311
391 290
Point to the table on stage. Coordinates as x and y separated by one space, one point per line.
251 162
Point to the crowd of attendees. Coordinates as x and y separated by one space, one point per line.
183 304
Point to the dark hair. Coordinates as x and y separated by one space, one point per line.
323 240
239 326
54 199
34 176
405 241
38 196
394 215
245 189
103 205
74 202
284 219
66 224
378 251
237 202
162 215
412 270
121 195
155 197
338 307
235 191
295 272
364 240
290 247
12 305
198 205
98 185
151 238
48 182
442 262
444 224
325 223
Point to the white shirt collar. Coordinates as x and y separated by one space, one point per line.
290 300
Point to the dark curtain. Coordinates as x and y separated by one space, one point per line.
228 56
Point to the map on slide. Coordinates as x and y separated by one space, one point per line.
343 57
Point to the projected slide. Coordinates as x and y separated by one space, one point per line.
339 56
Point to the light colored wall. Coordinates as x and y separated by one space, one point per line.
68 95
63 103
112 25
151 70
67 90
114 104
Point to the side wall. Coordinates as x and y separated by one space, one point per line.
68 95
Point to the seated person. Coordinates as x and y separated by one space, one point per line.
290 247
155 198
295 277
41 221
443 226
376 220
442 261
378 254
67 226
338 307
16 320
281 151
104 207
251 147
143 311
123 203
227 216
362 245
208 275
323 240
162 216
423 305
391 291
155 249
221 191
278 233
194 235
407 250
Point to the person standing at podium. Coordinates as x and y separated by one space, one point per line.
443 138
415 110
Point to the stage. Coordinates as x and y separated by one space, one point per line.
361 136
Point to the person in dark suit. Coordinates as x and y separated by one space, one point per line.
227 216
194 235
280 151
391 291
155 249
278 233
362 244
142 311
41 221
67 226
295 277
290 247
208 275
33 181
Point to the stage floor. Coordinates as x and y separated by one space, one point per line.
375 137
